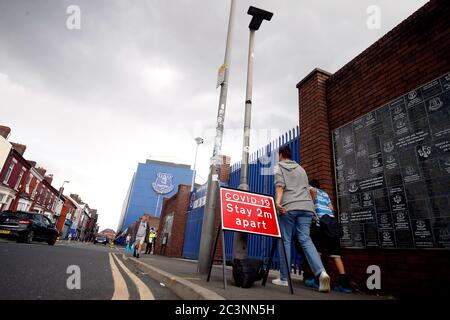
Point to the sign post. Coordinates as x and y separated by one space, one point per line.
248 212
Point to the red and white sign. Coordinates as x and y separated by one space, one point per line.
248 212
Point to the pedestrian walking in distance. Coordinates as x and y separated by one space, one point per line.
296 210
140 237
326 241
150 240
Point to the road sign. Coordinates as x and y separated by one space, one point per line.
248 212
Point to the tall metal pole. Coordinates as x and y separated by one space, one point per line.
240 238
258 15
195 164
199 141
207 237
248 113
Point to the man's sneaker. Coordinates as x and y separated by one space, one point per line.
280 282
343 289
324 282
311 283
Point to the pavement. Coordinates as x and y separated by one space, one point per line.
38 271
180 275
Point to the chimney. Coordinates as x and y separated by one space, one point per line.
5 131
49 178
76 198
41 171
32 163
20 148
224 173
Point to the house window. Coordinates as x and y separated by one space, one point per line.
27 188
33 194
20 178
7 202
22 206
40 195
8 174
45 198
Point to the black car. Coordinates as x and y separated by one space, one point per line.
101 239
27 226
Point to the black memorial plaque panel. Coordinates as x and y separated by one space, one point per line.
392 169
441 231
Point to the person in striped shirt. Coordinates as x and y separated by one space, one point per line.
323 243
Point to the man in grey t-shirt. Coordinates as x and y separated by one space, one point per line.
140 236
296 210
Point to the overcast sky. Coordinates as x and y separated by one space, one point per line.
137 81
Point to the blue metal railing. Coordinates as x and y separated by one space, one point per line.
261 180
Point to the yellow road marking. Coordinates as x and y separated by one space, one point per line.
144 291
120 286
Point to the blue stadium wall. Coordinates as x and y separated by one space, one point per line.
142 198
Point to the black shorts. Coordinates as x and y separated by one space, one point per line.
325 244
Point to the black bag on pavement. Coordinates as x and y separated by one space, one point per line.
330 227
247 271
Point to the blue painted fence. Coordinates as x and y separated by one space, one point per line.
261 180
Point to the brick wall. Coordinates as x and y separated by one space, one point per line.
152 221
67 207
224 173
315 152
412 54
178 205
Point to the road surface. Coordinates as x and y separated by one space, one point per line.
68 271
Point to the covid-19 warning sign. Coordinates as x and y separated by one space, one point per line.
248 212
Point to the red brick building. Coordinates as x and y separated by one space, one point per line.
108 233
13 180
171 231
172 223
408 57
67 211
152 221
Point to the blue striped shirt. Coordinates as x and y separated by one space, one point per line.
321 203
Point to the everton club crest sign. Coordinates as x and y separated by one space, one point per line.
163 183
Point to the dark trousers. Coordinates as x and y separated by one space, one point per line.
148 249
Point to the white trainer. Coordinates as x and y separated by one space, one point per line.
280 282
324 282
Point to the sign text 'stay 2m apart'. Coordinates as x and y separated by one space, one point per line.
248 212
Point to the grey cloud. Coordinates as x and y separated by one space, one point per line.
139 73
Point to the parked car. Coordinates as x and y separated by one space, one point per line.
100 239
27 226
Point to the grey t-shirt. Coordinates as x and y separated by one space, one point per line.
293 179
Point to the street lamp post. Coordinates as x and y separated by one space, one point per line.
258 15
207 237
199 141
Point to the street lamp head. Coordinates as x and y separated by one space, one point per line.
258 16
66 181
199 140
